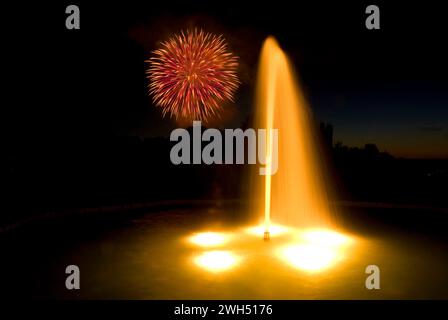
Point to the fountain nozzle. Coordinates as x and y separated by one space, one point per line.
266 235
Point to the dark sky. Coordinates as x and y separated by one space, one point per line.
386 86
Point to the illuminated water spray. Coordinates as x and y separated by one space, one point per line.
270 102
295 195
293 202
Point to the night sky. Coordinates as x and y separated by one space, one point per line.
387 87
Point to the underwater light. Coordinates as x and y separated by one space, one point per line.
317 250
217 261
209 239
325 237
310 257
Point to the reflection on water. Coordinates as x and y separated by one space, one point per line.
216 261
317 251
172 255
326 238
208 239
310 257
311 250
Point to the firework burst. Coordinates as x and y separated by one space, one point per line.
192 74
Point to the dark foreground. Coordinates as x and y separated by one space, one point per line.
146 255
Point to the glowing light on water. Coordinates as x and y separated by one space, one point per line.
309 250
217 261
310 257
208 239
325 237
317 250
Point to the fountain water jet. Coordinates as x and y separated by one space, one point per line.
295 195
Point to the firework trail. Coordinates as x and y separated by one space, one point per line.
191 74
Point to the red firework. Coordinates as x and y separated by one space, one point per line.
191 74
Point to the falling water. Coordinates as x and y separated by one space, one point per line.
295 195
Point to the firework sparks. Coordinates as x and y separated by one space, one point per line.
191 74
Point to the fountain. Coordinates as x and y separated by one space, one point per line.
295 195
291 193
199 249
